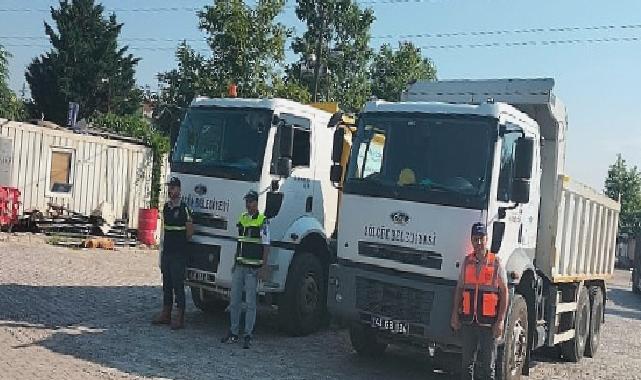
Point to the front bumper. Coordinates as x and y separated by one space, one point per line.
359 291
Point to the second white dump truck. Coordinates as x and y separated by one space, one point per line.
421 172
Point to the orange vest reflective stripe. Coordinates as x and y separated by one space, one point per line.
480 299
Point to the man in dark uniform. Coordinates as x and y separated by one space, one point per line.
480 305
250 265
178 229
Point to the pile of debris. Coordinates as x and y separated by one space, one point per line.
72 229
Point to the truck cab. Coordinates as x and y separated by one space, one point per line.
421 173
277 147
409 203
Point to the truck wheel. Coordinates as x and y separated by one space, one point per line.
208 304
365 341
513 354
304 302
596 318
574 349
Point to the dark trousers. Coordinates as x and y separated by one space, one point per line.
172 266
479 353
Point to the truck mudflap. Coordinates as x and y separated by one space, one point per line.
405 307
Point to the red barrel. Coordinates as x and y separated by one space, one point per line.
147 223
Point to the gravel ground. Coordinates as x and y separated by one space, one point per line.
84 314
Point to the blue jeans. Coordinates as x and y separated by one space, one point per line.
244 278
479 353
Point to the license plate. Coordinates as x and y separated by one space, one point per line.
200 276
397 327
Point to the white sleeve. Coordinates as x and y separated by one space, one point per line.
264 234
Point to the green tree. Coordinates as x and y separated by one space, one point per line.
85 65
247 44
392 70
625 183
10 106
192 78
286 89
335 47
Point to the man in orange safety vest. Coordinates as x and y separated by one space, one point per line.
480 305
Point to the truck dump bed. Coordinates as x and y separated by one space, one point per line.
584 240
577 225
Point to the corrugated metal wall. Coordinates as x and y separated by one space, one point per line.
112 171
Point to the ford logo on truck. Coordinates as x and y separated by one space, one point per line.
200 189
399 217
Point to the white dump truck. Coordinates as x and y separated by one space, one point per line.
281 149
451 154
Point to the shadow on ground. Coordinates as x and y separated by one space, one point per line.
110 326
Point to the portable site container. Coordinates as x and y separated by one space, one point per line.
53 165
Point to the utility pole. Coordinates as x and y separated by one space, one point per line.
319 50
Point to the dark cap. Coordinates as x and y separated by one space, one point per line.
479 229
174 181
251 196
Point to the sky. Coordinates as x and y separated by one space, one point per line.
599 82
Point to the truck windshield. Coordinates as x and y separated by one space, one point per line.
222 142
423 158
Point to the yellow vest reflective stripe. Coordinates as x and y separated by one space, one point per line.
175 228
245 239
246 261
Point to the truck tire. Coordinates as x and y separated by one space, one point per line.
207 304
596 319
574 349
365 342
303 305
512 356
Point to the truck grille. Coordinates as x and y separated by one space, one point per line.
208 220
204 257
393 301
425 259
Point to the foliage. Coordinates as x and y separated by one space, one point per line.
392 70
10 106
337 36
290 90
625 182
85 65
246 44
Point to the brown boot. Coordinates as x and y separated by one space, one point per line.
178 322
164 318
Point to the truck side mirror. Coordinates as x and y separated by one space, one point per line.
285 150
498 231
273 203
523 158
523 161
286 140
521 191
284 167
337 148
336 173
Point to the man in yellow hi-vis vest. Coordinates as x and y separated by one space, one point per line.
252 251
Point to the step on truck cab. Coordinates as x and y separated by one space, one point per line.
281 149
454 153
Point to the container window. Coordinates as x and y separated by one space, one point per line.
60 174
